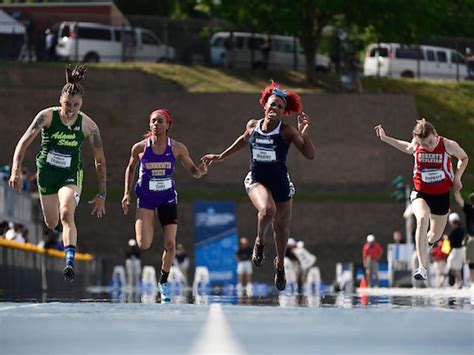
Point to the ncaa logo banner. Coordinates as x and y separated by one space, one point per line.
215 234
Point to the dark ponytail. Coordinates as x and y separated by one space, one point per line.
73 76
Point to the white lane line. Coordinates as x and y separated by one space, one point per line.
216 337
25 306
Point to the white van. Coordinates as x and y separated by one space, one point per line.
396 60
92 42
245 45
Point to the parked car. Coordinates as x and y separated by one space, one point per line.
397 60
92 42
247 52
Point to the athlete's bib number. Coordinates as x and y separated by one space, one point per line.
432 176
160 185
263 155
59 160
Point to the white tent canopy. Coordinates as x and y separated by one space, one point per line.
8 25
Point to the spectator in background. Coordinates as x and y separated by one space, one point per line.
396 254
51 240
306 259
371 254
129 45
229 45
295 262
398 237
470 63
133 264
50 45
439 255
354 72
15 233
265 48
25 233
25 182
456 257
468 208
3 229
181 260
244 267
5 172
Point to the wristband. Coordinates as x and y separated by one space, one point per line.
100 197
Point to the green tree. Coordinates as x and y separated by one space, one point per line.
413 21
168 8
304 19
402 21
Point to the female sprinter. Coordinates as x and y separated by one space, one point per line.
156 189
59 166
268 184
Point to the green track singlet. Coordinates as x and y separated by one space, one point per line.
59 160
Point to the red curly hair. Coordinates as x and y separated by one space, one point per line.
293 101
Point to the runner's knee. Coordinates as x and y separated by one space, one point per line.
267 212
170 246
67 216
143 244
51 222
422 221
281 224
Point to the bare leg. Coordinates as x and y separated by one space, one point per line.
50 207
368 276
248 278
169 232
262 200
457 278
144 227
422 215
281 229
67 208
437 226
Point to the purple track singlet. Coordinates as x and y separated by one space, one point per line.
155 186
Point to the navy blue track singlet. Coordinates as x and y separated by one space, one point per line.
268 153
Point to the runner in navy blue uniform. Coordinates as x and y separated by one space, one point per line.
268 183
156 189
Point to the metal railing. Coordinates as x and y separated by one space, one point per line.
28 271
21 207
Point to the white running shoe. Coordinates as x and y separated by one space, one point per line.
165 292
420 273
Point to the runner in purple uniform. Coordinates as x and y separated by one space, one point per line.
156 189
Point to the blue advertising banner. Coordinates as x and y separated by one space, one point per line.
215 234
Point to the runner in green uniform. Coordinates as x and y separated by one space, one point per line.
59 166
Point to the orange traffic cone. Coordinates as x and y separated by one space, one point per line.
364 300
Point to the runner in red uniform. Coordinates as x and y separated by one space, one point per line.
433 171
433 177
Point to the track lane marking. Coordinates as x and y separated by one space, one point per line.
216 336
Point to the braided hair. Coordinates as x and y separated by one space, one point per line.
73 76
